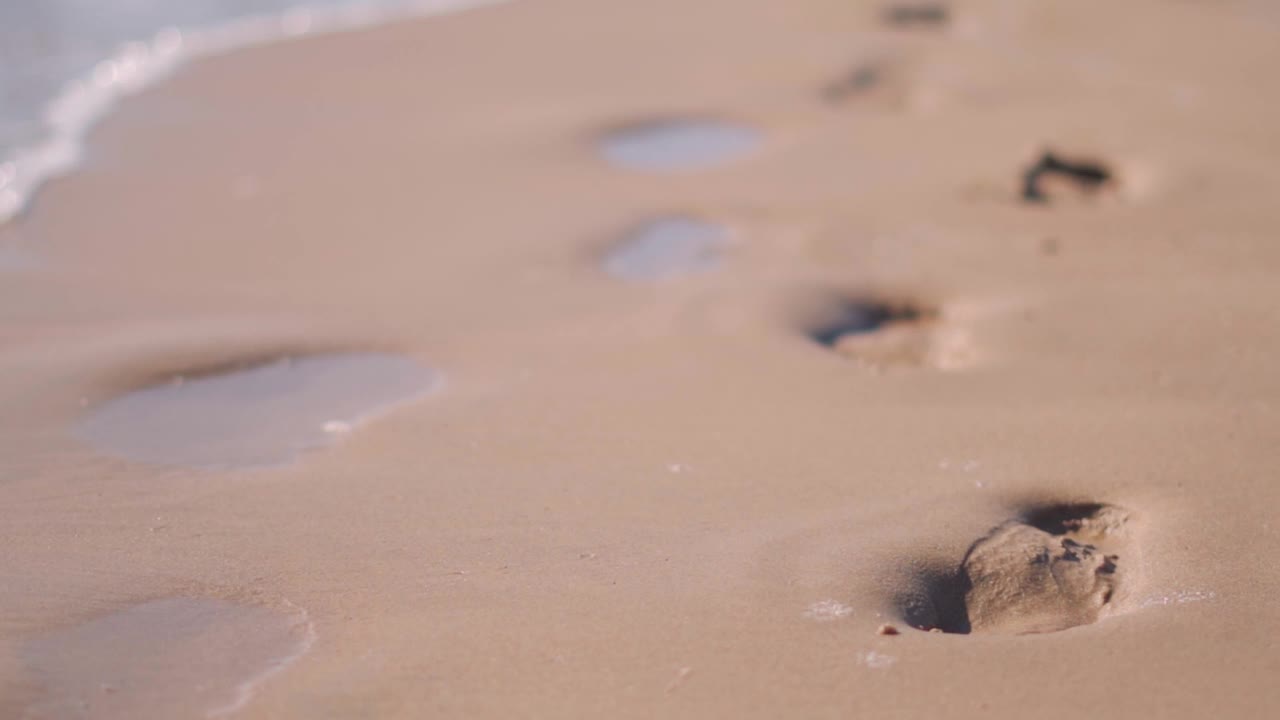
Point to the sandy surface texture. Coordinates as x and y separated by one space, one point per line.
970 330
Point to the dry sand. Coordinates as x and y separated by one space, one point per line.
669 498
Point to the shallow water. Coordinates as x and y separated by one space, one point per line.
259 416
667 247
65 62
671 145
169 658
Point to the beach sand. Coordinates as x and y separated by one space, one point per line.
677 497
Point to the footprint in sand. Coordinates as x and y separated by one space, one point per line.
168 658
1053 569
258 415
674 145
862 80
880 334
916 15
1053 176
667 247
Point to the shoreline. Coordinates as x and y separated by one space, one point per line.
139 64
669 498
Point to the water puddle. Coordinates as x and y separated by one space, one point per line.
667 247
170 658
257 416
672 145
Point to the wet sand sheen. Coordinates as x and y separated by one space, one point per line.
678 145
667 247
171 658
260 416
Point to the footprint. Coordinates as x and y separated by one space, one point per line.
667 247
259 415
1054 568
679 144
173 657
1052 176
912 15
861 80
880 334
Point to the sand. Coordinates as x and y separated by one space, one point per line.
670 499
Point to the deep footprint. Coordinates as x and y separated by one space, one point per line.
1056 567
1051 175
879 334
260 415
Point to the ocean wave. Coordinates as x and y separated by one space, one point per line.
137 65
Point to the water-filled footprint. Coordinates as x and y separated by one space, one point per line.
667 247
260 415
677 144
172 658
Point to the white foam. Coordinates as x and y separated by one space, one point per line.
139 65
243 692
1178 597
825 610
876 660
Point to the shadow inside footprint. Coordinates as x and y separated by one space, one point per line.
1086 176
1060 518
935 600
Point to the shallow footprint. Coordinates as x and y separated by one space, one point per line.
1051 571
258 416
677 144
169 658
913 15
667 247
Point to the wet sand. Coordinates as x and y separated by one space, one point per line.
639 499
